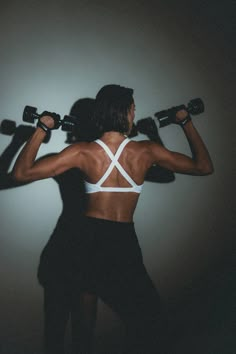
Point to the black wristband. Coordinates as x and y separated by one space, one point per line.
43 126
185 121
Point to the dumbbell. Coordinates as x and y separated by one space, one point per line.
167 116
8 127
68 123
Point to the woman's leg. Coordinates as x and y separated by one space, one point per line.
134 298
121 280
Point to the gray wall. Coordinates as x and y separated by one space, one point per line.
54 52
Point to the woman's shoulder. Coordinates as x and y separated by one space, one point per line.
141 144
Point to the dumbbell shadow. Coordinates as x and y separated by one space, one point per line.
8 127
156 173
20 134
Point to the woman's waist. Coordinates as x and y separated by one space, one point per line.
107 232
112 207
109 215
108 218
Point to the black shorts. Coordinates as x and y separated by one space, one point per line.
107 260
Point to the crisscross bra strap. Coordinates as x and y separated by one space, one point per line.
92 188
115 162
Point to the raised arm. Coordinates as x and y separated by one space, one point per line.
26 169
199 164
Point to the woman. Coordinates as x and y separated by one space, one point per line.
111 263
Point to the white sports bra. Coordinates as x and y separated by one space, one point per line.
97 187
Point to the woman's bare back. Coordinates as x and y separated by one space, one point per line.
117 206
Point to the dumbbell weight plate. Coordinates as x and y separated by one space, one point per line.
196 106
69 123
29 114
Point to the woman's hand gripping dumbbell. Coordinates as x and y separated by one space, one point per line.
68 123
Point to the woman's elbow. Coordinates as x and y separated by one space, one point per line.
20 176
206 169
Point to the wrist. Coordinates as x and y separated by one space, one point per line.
185 121
43 127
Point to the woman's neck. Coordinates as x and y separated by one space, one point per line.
113 136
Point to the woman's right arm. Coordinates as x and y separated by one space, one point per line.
199 164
